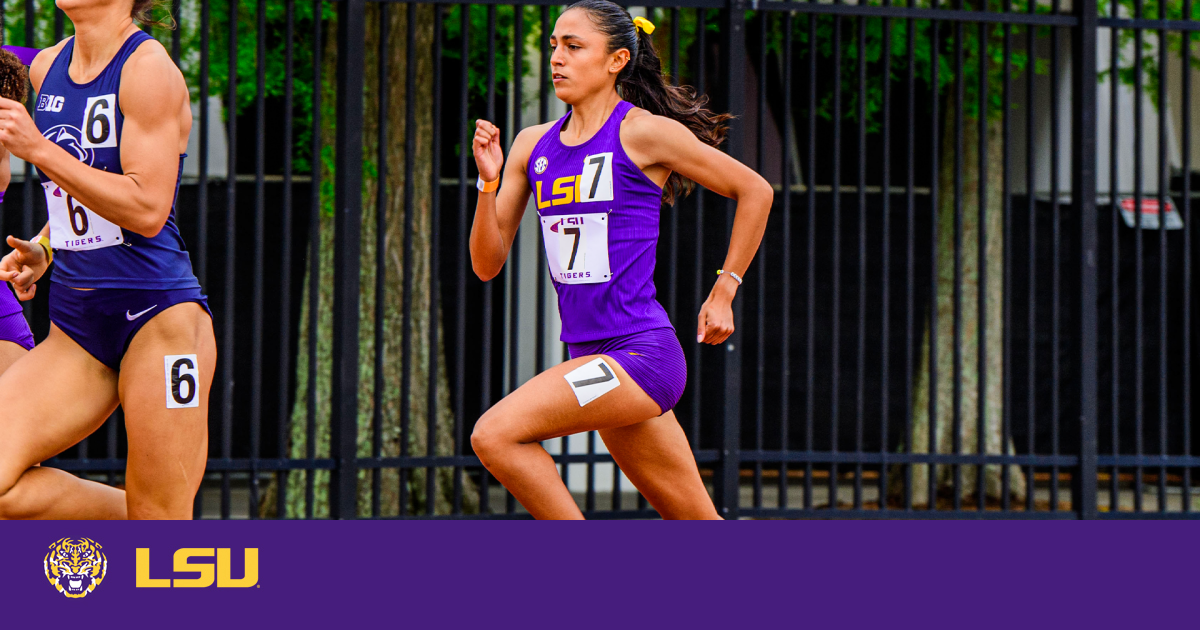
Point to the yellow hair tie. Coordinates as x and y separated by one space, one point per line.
644 24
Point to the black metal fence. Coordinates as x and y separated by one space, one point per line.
952 315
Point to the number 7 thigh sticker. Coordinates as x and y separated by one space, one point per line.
591 380
182 373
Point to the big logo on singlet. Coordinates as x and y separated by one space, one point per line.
70 138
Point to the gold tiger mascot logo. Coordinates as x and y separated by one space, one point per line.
75 566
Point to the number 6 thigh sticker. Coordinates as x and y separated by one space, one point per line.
182 375
591 380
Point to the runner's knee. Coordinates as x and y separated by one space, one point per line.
488 438
10 495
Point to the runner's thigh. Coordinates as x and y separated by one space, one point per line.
168 446
53 397
546 406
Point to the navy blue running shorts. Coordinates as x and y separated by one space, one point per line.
104 321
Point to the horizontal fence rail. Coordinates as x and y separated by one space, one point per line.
973 299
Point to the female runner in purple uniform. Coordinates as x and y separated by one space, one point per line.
599 177
129 323
15 337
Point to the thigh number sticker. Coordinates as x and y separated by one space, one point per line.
181 374
591 380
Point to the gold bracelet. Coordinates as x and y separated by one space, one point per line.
44 241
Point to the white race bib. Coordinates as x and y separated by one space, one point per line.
74 227
577 247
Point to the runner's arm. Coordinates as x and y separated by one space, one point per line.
152 95
498 214
663 141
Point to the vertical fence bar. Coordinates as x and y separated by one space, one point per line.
260 211
1006 195
673 277
1031 323
201 265
1138 256
227 345
835 321
514 256
381 198
351 63
410 156
910 284
811 285
1164 184
314 266
435 214
460 332
735 55
935 81
1055 265
860 354
285 257
981 303
1185 54
785 342
886 187
488 287
956 351
176 33
539 357
1114 501
1083 191
761 341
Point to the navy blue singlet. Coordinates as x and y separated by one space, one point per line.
90 251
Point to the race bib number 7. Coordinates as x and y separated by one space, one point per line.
74 227
577 247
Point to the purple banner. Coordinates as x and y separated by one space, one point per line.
607 574
26 55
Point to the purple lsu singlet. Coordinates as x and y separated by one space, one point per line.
599 216
91 251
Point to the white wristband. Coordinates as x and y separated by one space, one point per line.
731 275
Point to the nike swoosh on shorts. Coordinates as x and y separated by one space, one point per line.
133 317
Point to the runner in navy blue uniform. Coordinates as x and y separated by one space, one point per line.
129 324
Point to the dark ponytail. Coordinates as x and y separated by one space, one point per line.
642 83
143 13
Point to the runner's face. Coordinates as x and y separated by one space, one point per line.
580 63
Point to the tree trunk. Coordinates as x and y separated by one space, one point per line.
392 433
967 428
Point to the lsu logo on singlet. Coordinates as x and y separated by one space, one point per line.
75 566
593 183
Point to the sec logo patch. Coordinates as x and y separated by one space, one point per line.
539 167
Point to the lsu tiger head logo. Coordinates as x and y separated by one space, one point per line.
75 566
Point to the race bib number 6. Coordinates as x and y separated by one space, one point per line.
73 226
577 247
181 372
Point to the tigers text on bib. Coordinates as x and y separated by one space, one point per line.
577 247
74 227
